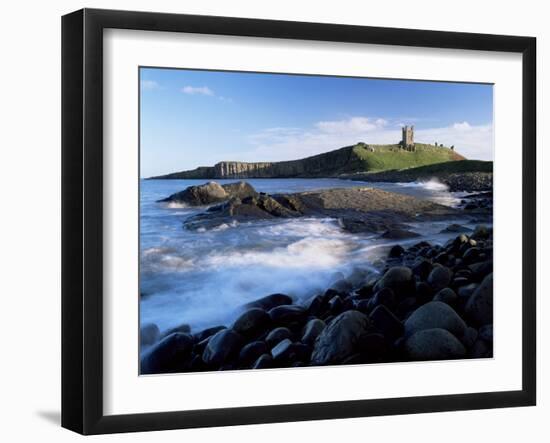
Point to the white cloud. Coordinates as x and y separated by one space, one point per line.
149 85
197 90
276 144
462 126
353 125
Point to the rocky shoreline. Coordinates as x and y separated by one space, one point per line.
358 209
427 302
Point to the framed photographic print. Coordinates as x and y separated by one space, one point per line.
269 221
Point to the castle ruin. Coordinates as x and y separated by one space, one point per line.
407 140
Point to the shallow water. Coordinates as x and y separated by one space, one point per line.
204 278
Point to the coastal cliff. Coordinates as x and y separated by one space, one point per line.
357 158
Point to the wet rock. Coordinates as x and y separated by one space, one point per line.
456 228
396 251
338 340
148 334
251 352
446 295
335 304
342 285
387 323
285 314
282 350
481 349
399 279
184 328
252 322
399 234
222 347
439 278
168 355
384 297
422 268
315 305
424 292
209 332
312 330
277 335
469 337
481 269
479 308
471 255
373 347
432 315
211 192
434 344
270 301
486 333
265 361
481 232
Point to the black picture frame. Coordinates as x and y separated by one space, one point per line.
82 218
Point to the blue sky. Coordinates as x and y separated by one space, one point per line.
193 118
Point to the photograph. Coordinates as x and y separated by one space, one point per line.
291 220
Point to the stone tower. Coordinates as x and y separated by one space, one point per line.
407 142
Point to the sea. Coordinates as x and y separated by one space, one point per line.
203 278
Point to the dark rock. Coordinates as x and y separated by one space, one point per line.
252 322
424 292
277 335
251 352
270 301
481 349
422 268
211 192
439 278
364 306
312 330
209 332
469 337
435 314
405 306
338 340
385 297
399 279
399 234
456 228
479 308
373 347
396 251
481 232
486 333
335 304
222 347
434 344
168 355
342 285
184 328
471 255
481 269
265 361
387 323
315 305
464 292
282 350
148 334
446 295
285 314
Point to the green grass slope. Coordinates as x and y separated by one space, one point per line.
391 157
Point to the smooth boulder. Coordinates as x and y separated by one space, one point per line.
168 355
221 347
435 314
312 330
479 308
270 301
439 278
251 322
339 339
398 278
434 344
148 334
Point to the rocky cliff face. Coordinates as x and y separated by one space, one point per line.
319 165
